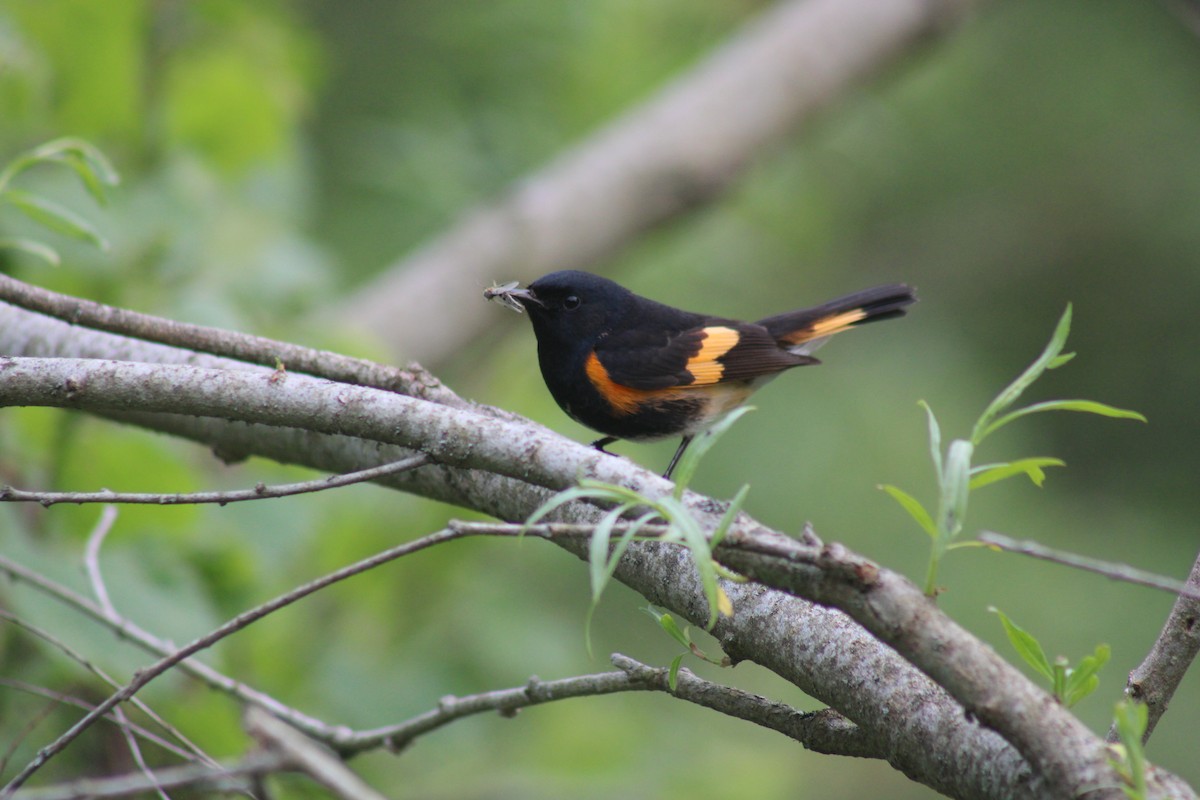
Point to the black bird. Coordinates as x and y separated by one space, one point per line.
631 368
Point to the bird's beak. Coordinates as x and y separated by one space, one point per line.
516 299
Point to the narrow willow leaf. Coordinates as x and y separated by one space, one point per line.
1084 406
598 551
935 440
622 541
956 487
558 500
94 170
1034 371
1026 646
913 506
701 445
991 473
54 216
735 505
668 624
33 248
673 674
1059 360
694 538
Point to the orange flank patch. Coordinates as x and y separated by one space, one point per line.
623 399
705 367
828 326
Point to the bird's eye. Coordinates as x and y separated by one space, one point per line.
571 302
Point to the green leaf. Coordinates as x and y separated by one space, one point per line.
1085 406
1034 371
1131 720
91 165
991 473
735 505
1060 678
94 170
956 487
935 439
1059 360
668 624
1026 646
1083 680
598 555
33 248
673 675
696 541
701 445
53 216
913 507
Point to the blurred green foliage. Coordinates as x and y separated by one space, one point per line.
276 153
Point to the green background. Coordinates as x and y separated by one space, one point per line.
277 155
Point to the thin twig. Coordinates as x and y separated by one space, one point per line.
224 777
545 530
823 731
307 756
79 658
144 676
1109 569
77 702
131 632
30 725
259 492
91 559
506 701
135 750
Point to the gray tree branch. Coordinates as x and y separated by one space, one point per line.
1155 680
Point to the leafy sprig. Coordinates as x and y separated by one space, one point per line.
607 545
956 477
94 172
1070 685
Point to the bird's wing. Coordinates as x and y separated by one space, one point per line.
717 352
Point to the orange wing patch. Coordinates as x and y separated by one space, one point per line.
705 367
623 399
828 326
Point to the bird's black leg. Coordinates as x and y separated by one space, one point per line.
675 458
600 444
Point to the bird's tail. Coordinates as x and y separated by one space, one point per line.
805 330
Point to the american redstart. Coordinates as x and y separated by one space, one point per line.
631 368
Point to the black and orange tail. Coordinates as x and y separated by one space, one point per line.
806 328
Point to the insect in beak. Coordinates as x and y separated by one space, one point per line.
509 295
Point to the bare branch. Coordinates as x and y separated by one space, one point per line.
144 676
678 151
223 778
823 731
413 381
77 657
307 756
259 492
453 435
152 644
1155 680
59 698
1109 569
91 559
